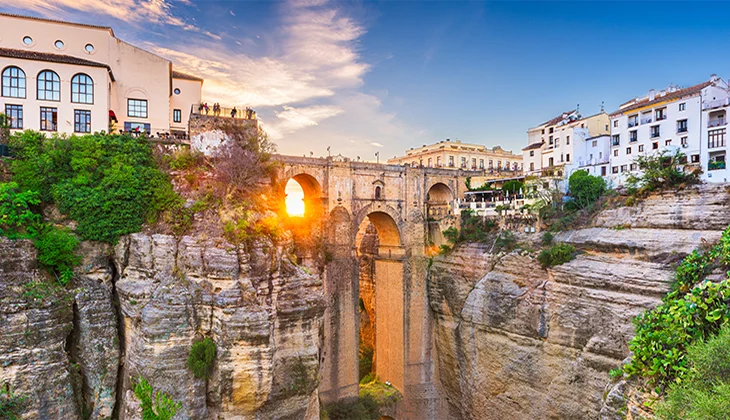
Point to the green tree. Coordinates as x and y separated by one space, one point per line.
513 186
585 189
662 171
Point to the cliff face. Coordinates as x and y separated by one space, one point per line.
517 341
135 311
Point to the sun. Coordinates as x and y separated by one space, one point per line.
294 198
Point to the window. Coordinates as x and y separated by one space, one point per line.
567 140
682 126
49 119
13 83
633 136
567 157
481 163
377 193
438 161
615 123
655 145
623 168
695 158
474 163
491 164
682 106
177 91
628 150
177 117
506 165
615 152
600 155
551 162
59 44
451 161
595 143
543 131
716 138
654 131
668 142
614 169
532 153
633 167
82 121
49 86
660 114
82 89
15 115
137 108
633 120
463 162
683 141
603 171
615 140
551 139
430 163
532 166
27 40
641 148
89 48
551 129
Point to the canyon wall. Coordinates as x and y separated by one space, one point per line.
517 341
135 310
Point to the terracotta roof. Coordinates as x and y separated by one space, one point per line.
534 146
52 58
180 75
557 119
677 94
85 25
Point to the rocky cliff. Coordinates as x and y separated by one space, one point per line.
517 341
135 310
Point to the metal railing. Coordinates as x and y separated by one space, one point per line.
661 117
646 120
681 129
633 124
655 134
243 113
716 123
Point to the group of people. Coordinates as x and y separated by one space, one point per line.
248 113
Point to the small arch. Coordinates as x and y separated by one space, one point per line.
49 86
312 193
440 193
377 193
82 89
388 232
13 82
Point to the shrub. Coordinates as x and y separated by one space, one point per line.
11 405
557 254
201 357
246 159
662 171
365 360
155 405
16 215
451 234
512 186
185 158
56 251
506 241
705 391
360 408
585 189
547 238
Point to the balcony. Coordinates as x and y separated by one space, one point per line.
633 139
661 117
646 120
654 134
633 124
681 130
714 166
716 123
716 104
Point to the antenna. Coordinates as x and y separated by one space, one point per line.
601 106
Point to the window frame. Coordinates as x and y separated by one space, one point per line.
77 121
55 86
13 120
44 122
10 86
177 115
76 87
129 108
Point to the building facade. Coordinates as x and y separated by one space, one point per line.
691 120
63 77
457 155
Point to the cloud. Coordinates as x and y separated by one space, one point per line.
376 144
292 119
135 12
231 12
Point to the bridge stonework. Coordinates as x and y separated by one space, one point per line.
397 200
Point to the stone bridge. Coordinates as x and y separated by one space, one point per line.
403 203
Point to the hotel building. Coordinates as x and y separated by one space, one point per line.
691 119
457 155
63 77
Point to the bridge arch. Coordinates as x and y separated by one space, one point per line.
312 189
440 193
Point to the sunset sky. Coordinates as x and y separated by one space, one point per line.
384 76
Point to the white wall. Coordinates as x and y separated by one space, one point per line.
190 94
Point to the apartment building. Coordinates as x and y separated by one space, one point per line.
64 77
556 146
592 154
457 155
689 119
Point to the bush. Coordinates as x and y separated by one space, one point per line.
109 184
155 406
56 251
11 405
547 238
185 158
513 186
16 216
585 189
506 241
365 360
662 171
705 391
245 160
360 408
451 234
201 357
557 254
694 310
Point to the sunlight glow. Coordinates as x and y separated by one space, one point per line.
294 198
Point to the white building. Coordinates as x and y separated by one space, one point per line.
670 119
592 154
74 78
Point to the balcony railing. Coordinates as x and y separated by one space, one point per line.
633 123
646 120
661 117
716 104
681 129
715 143
240 114
713 166
716 123
615 142
633 139
589 162
654 134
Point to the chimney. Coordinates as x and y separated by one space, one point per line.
713 78
651 94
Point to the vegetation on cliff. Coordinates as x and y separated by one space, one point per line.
661 171
11 404
155 405
201 358
695 310
555 255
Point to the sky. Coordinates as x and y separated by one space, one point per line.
367 77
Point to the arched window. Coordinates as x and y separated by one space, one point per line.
13 82
82 89
49 86
377 193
